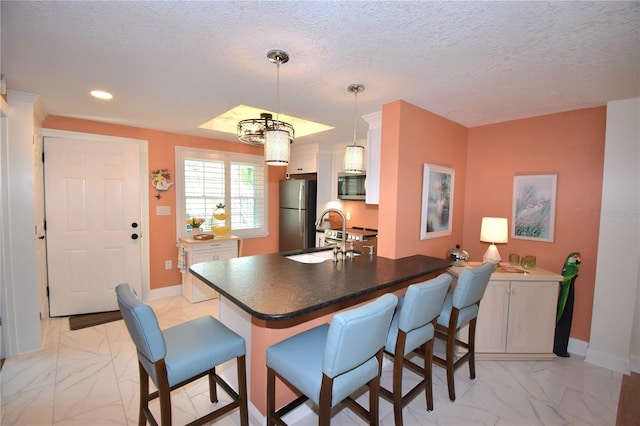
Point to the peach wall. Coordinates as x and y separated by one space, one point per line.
569 144
411 137
362 215
162 229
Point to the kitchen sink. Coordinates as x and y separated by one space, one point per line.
309 258
315 256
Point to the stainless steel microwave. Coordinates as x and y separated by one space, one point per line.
351 186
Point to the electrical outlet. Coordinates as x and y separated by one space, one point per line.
167 264
348 215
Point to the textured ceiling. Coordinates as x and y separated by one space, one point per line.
174 65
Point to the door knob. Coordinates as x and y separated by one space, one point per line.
134 236
134 225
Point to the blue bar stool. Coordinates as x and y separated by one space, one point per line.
179 355
459 309
412 327
330 362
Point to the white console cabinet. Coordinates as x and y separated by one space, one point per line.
196 251
517 315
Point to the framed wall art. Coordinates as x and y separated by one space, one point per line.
437 201
534 207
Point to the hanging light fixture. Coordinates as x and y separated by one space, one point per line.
354 154
278 137
252 131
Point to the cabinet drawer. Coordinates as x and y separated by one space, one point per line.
217 245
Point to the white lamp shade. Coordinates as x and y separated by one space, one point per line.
494 230
276 147
354 159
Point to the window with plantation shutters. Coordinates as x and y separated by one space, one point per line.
211 178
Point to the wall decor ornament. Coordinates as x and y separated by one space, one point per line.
160 180
219 225
534 207
437 201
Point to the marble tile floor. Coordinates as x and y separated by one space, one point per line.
89 377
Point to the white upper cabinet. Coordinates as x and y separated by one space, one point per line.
303 159
313 158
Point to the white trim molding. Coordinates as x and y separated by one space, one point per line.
578 347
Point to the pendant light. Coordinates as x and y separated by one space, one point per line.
277 138
354 154
251 131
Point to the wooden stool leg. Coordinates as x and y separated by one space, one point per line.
397 387
398 364
451 336
164 393
213 388
242 390
472 348
428 373
324 410
144 396
271 397
374 400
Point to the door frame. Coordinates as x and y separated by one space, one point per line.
144 190
4 139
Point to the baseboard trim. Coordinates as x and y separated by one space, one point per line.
578 347
635 363
160 293
608 361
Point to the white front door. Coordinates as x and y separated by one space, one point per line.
93 213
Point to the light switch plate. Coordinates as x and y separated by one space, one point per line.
163 210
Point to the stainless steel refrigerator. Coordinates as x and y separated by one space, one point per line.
297 214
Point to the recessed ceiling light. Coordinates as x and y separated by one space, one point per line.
101 94
228 121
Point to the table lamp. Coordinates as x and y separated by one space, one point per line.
493 230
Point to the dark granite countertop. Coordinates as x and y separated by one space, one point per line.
272 287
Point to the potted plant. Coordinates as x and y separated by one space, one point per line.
195 223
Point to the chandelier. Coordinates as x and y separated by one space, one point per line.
275 135
251 131
354 154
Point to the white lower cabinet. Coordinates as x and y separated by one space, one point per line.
517 315
193 289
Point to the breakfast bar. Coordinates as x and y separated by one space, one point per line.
267 298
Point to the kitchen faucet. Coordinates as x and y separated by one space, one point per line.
344 228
